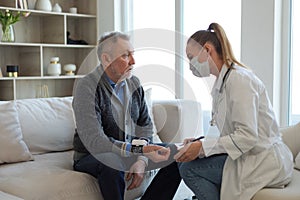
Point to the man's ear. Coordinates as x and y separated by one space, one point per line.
105 59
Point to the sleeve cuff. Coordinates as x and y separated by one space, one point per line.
212 146
143 158
122 148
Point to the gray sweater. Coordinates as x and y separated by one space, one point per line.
103 123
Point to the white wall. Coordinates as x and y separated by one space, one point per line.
257 45
106 16
261 33
264 49
110 15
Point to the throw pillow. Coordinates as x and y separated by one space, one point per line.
148 99
47 123
12 146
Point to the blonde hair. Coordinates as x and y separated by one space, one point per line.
216 35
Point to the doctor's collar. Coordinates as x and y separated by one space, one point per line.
219 80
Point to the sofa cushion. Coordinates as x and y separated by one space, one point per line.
290 192
12 146
47 124
291 137
49 177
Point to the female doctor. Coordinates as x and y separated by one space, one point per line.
249 153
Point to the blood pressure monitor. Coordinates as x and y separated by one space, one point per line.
137 146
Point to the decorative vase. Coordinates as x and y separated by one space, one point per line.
12 70
69 69
43 5
8 34
54 68
57 8
31 4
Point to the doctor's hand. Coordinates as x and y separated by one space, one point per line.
136 174
187 140
190 151
156 153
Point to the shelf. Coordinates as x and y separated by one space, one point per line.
41 78
6 78
46 45
63 77
35 88
53 27
11 44
45 13
43 35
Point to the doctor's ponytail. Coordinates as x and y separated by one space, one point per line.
216 35
225 46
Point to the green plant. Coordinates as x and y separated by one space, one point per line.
9 17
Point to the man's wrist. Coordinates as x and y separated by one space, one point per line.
143 159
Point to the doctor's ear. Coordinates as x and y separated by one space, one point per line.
208 47
208 50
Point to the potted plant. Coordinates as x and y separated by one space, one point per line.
7 19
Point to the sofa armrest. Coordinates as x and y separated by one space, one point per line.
177 119
291 137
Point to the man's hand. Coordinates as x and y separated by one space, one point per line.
189 152
156 153
136 174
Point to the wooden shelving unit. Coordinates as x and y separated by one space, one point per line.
41 36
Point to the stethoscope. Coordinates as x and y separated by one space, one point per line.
213 114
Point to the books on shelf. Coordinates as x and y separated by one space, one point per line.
23 4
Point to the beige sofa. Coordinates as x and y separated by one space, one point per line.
291 136
36 150
36 138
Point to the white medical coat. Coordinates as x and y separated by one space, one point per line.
249 134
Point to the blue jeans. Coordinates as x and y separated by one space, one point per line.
204 176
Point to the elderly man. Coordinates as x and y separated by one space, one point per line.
114 128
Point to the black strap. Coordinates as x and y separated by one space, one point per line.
225 77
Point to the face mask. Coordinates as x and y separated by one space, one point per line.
199 69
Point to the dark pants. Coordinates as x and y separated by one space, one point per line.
164 185
111 179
